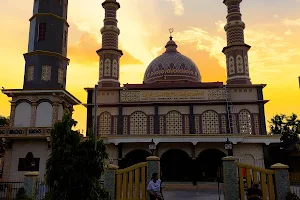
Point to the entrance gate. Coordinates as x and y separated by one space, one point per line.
131 182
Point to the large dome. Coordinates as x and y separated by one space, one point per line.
172 66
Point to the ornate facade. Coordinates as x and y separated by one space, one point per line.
188 120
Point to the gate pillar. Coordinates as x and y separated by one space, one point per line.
282 182
230 178
110 181
153 166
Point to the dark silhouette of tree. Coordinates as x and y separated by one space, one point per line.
4 121
288 127
74 168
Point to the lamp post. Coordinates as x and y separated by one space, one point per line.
228 147
152 147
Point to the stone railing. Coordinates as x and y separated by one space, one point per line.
23 132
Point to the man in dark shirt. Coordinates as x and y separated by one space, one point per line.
254 193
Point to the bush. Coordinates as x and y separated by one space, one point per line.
21 195
291 196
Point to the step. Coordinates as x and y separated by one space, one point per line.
190 186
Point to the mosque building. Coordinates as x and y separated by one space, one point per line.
188 120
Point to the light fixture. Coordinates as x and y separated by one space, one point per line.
152 147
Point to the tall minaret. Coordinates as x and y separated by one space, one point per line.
109 53
236 50
46 61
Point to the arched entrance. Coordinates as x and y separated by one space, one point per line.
134 157
176 166
209 165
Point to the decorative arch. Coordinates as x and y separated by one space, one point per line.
174 123
248 159
210 122
39 101
22 114
246 64
134 157
209 164
107 67
231 69
104 124
245 122
239 64
115 68
101 69
138 123
175 165
44 112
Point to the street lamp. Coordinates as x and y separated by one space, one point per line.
152 147
228 147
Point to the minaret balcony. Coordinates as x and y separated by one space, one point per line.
25 132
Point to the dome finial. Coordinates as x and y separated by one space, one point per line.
171 30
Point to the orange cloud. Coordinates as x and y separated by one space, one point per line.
84 52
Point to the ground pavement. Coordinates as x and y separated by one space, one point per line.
192 195
206 191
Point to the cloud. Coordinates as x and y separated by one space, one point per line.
178 7
84 52
268 56
290 22
288 32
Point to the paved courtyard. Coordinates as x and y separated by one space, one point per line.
204 194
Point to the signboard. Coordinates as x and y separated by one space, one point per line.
172 95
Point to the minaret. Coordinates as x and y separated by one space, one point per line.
236 50
109 53
46 61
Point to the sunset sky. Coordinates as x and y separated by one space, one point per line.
272 29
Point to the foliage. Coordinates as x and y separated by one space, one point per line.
291 196
287 126
74 168
4 121
21 195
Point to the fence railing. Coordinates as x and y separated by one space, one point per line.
9 190
131 182
247 174
295 186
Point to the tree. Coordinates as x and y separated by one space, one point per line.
74 168
4 121
288 127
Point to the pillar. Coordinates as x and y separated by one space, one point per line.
31 184
230 178
33 114
7 164
55 112
282 182
12 114
110 181
153 166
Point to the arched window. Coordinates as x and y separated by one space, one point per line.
210 122
104 124
174 123
248 159
22 115
245 122
44 115
138 123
